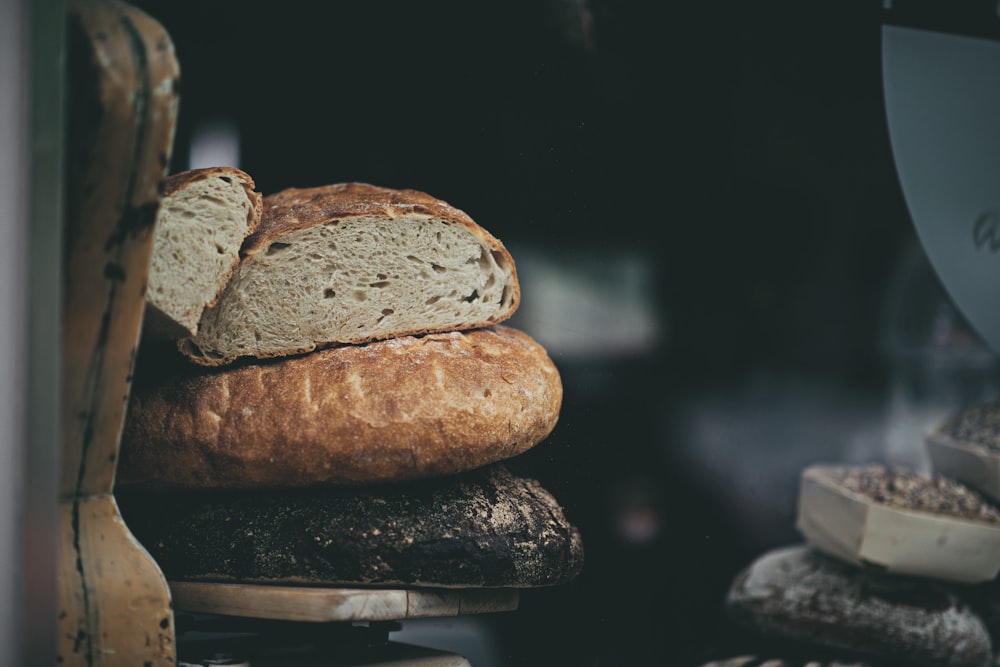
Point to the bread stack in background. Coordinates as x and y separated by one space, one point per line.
897 567
341 409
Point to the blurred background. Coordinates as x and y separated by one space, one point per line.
712 244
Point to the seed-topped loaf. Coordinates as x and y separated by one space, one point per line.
405 408
203 218
354 263
911 490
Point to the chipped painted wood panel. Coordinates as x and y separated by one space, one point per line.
114 605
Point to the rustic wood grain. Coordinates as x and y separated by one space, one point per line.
114 604
316 604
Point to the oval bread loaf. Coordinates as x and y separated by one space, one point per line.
353 263
405 408
202 220
483 528
798 594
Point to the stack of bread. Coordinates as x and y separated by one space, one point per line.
897 567
325 394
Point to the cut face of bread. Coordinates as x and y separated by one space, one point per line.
353 263
203 218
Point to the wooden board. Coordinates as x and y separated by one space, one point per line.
296 603
388 654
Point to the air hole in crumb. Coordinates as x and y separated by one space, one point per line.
500 259
472 297
329 293
257 336
490 281
431 301
381 276
388 311
360 295
505 295
226 179
381 283
277 247
487 393
219 249
438 268
414 258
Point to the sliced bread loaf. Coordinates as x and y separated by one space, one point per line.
353 263
203 218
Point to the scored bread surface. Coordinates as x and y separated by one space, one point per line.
203 218
405 408
354 263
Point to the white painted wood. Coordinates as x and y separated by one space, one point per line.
859 530
976 466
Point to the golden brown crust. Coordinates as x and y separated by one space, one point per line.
404 408
298 208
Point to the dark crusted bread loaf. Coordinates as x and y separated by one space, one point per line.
353 263
404 408
203 217
484 528
802 595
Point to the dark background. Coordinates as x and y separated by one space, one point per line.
743 145
738 149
